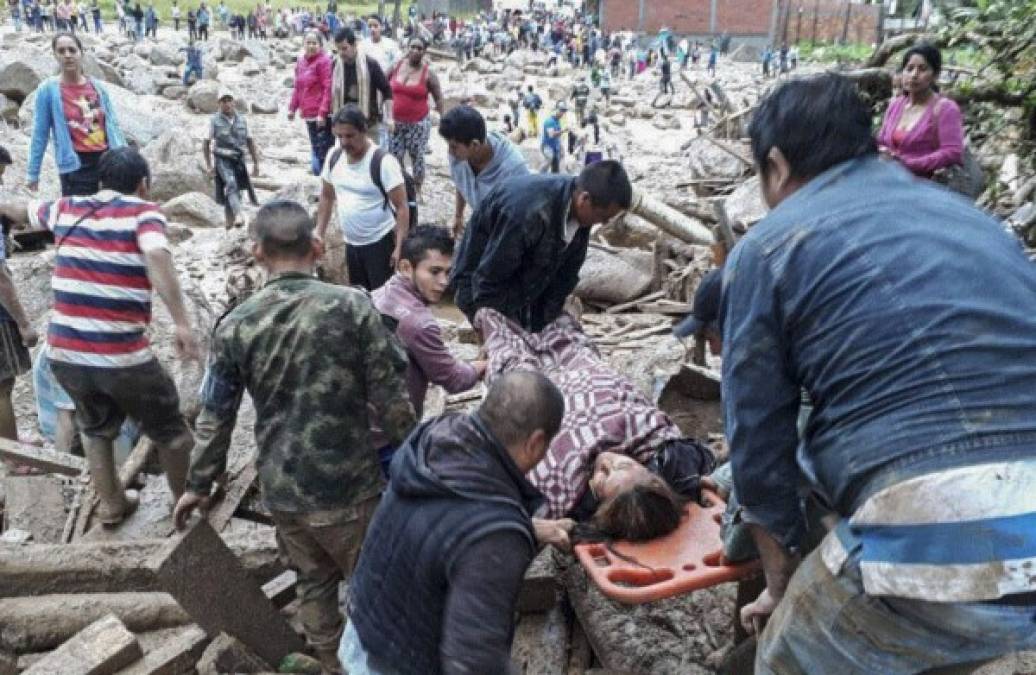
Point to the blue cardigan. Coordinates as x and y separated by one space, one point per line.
49 119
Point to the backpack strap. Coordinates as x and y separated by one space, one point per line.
379 155
335 156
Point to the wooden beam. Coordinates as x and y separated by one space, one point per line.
47 459
237 488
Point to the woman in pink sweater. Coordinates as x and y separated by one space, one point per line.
310 95
922 129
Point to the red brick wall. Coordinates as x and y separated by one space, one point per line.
829 19
737 17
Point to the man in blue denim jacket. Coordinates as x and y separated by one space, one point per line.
910 318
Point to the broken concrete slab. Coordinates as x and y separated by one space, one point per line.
203 574
172 651
35 504
102 648
116 566
227 655
540 590
39 623
8 664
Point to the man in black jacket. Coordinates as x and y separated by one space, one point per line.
524 246
440 570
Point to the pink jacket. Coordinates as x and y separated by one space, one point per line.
935 142
312 91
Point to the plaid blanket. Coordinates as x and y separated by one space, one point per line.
604 412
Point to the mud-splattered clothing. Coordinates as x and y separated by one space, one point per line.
311 355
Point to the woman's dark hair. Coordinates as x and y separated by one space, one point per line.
816 122
463 124
928 52
122 169
71 36
345 34
424 238
351 115
644 512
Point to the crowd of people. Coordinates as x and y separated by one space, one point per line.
879 352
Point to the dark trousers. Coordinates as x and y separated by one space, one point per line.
85 180
176 25
369 265
203 32
320 142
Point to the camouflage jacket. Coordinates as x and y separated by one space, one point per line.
312 356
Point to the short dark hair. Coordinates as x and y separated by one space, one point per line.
520 402
816 122
345 34
607 183
351 115
928 52
284 229
424 238
63 34
5 157
463 124
122 169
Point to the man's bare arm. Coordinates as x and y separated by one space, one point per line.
324 208
163 277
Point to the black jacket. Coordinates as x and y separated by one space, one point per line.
442 563
513 257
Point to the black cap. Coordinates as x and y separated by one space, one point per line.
705 310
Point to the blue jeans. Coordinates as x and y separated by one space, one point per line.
827 624
195 70
354 658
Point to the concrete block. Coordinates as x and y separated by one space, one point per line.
35 504
102 648
212 585
540 589
175 651
227 655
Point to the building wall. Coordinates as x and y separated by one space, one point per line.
745 18
453 7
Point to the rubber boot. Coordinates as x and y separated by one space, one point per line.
115 503
175 462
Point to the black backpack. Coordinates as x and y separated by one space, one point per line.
408 181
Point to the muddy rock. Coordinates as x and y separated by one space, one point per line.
194 209
609 279
745 206
203 96
166 55
175 92
250 66
21 73
706 160
8 110
141 81
176 166
265 105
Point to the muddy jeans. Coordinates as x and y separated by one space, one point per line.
323 548
827 624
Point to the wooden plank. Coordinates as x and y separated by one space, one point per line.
102 648
615 309
236 490
47 459
281 589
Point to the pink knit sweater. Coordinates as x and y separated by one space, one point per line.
934 142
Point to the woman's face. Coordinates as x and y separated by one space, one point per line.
614 473
917 75
312 45
67 52
416 51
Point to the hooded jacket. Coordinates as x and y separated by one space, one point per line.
507 162
437 581
312 91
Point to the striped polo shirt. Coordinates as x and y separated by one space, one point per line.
102 294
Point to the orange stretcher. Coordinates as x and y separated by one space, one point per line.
689 559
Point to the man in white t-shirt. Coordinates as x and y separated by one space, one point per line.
382 49
374 219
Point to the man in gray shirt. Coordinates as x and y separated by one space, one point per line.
478 161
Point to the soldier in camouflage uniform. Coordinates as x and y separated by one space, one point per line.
312 356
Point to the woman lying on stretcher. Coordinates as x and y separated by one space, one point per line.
618 465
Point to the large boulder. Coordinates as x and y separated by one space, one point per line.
176 166
708 160
203 96
745 206
607 278
21 73
8 110
140 119
250 66
131 62
194 209
165 55
141 81
102 70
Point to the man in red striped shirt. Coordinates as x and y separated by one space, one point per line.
111 251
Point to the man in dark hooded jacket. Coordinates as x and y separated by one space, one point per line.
440 570
525 244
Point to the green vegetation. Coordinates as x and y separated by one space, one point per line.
826 52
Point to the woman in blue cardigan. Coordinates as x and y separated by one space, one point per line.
75 110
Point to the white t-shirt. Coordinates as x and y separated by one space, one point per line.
361 208
385 51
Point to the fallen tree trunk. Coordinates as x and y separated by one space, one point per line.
886 49
114 567
44 622
669 220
